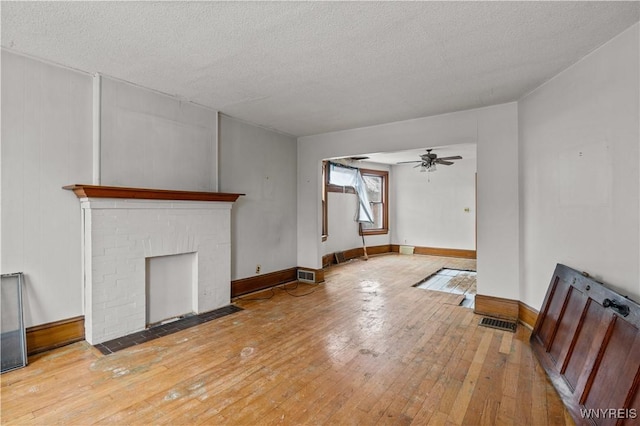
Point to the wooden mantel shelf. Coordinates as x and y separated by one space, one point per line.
96 191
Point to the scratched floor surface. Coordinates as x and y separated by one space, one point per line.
363 348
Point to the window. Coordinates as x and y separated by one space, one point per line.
377 187
326 188
336 174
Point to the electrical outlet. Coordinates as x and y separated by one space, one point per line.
258 269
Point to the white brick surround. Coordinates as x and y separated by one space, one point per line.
119 234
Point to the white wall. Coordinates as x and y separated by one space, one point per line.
498 238
151 140
429 207
343 229
46 144
493 129
579 160
148 140
261 164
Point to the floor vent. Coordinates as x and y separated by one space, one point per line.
499 324
306 276
339 255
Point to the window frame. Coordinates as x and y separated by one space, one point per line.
327 187
335 188
325 199
384 174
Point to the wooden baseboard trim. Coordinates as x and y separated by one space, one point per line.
319 274
45 337
438 251
272 279
527 315
496 307
373 250
330 259
261 282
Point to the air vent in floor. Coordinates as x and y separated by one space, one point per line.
499 324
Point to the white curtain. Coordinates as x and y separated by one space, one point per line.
350 176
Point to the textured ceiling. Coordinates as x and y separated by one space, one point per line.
311 67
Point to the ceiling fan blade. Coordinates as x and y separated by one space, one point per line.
446 163
455 157
405 162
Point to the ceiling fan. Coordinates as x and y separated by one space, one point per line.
428 161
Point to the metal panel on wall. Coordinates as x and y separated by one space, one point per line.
13 347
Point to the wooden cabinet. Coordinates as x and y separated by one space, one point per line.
588 341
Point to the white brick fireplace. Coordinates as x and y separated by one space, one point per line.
120 234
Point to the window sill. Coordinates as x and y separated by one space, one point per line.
374 232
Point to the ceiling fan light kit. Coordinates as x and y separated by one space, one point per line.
429 161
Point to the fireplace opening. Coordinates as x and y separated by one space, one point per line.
171 287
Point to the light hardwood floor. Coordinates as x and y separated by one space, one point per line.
363 348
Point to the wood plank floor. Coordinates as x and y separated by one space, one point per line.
363 348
